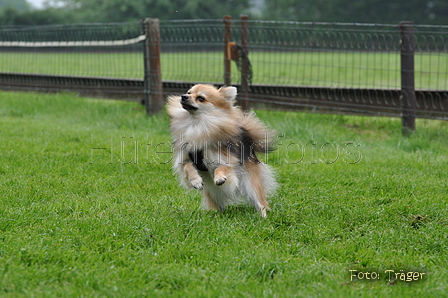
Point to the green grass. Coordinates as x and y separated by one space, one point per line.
119 65
331 69
76 221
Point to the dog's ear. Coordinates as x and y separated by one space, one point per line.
228 93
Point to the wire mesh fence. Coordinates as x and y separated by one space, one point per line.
191 51
351 68
330 55
86 50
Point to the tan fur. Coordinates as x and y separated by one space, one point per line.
221 173
215 146
257 181
192 175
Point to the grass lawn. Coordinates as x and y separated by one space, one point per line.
330 69
90 208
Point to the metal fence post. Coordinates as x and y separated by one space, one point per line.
227 61
407 77
244 92
153 77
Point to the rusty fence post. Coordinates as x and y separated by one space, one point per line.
153 76
244 90
407 77
227 61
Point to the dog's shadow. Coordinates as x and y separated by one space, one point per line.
235 211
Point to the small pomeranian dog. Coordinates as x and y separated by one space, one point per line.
215 146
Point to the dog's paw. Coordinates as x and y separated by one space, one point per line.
197 183
220 180
263 212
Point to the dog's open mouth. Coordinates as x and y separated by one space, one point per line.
188 107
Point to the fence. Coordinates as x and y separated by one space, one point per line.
366 69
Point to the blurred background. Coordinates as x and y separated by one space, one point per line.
333 56
43 12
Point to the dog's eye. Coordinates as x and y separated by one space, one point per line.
200 98
188 92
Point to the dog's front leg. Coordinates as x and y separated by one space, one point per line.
221 174
192 176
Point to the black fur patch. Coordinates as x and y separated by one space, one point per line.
197 158
247 150
244 148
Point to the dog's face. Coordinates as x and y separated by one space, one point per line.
206 98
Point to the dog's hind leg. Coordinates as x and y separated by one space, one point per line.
257 193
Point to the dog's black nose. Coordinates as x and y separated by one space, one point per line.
184 97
